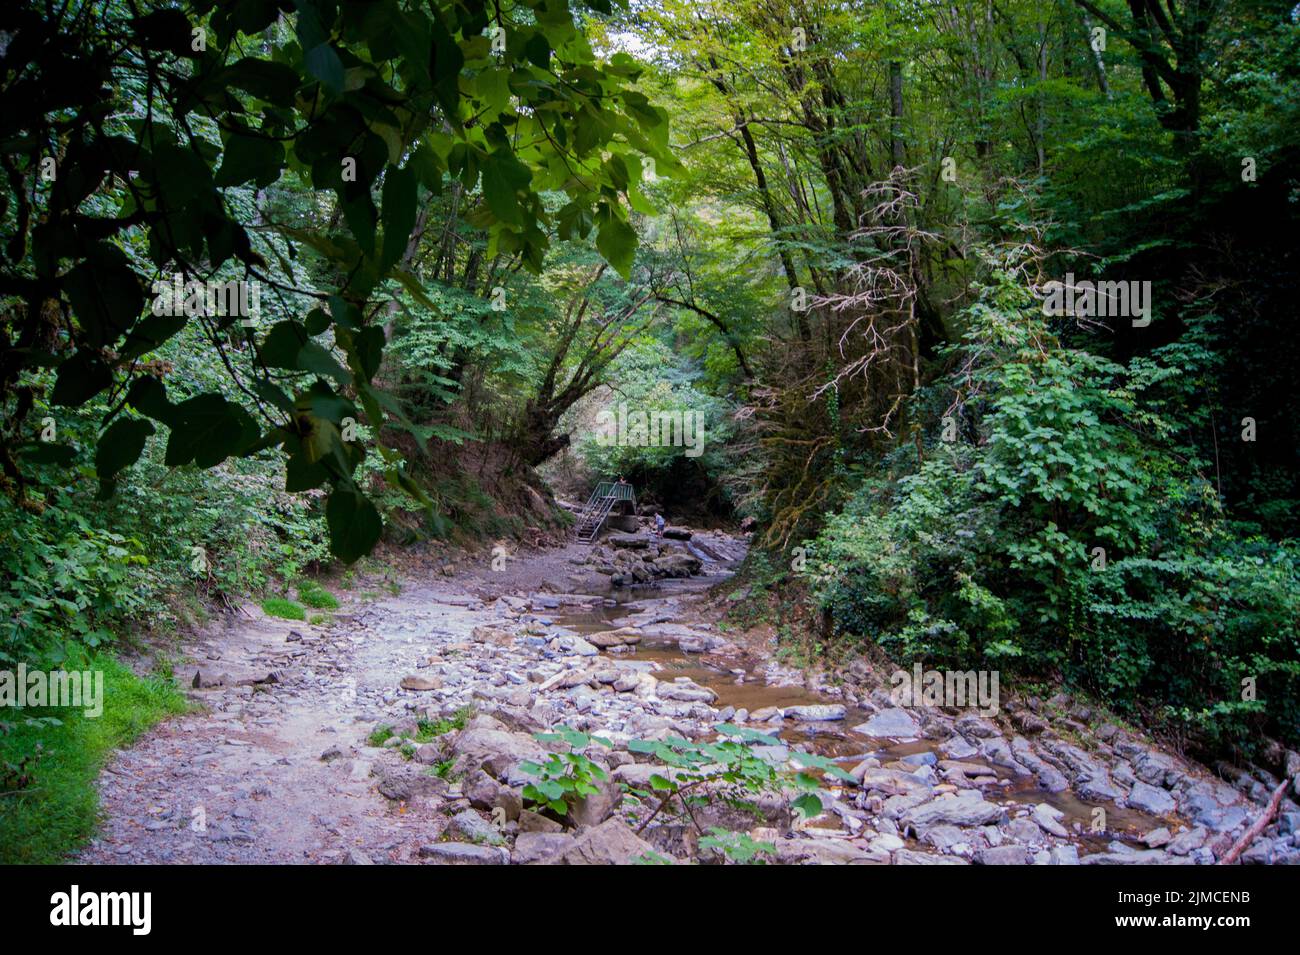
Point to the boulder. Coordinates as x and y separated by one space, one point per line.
895 723
909 857
484 792
1002 855
496 751
1148 798
533 847
815 713
610 843
472 827
595 809
964 810
678 565
464 853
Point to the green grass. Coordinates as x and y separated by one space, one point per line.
56 812
317 597
279 607
426 731
429 730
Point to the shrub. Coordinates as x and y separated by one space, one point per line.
1071 535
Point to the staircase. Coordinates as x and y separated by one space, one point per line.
597 509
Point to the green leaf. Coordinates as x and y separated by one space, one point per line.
808 805
79 379
208 429
119 447
399 201
250 158
503 176
354 524
324 64
616 241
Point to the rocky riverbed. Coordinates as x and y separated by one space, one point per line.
395 734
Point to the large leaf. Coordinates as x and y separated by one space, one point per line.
398 215
119 447
354 524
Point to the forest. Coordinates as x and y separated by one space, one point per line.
974 320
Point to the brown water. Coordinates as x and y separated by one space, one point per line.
835 739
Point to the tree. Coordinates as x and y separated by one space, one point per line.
136 137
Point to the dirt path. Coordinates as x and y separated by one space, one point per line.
279 771
281 764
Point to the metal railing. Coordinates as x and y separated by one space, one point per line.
598 506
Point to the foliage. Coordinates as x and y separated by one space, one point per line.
729 768
566 777
1066 534
372 103
317 597
55 812
738 847
285 609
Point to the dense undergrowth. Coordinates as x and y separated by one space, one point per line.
1068 528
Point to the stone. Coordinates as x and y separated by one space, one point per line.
1148 798
472 827
1148 857
1051 778
493 635
1064 855
977 726
421 684
685 693
1188 841
610 843
965 810
628 541
530 821
1155 768
678 565
595 809
957 747
1157 838
1002 855
815 713
909 857
430 754
889 781
1204 810
895 723
534 847
827 852
496 751
1024 831
484 792
947 838
1049 819
464 853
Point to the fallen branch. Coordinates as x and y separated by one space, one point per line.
1257 826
